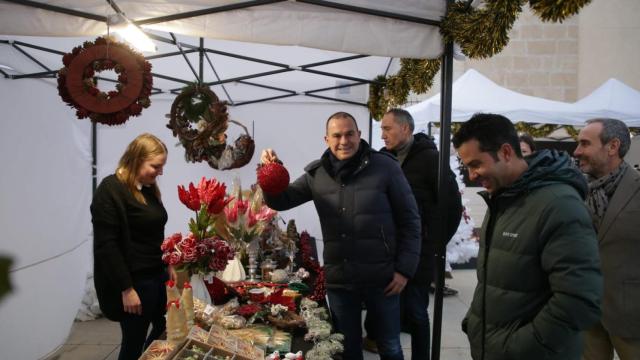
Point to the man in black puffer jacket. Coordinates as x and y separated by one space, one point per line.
370 228
539 281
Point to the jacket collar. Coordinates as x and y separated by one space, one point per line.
629 185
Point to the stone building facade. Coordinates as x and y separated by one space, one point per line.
565 61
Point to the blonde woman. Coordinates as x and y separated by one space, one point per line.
128 227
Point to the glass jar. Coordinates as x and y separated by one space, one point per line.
267 267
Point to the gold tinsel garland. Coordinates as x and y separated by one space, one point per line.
377 103
415 75
554 10
536 130
480 32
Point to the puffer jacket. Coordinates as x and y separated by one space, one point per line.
369 219
539 281
421 170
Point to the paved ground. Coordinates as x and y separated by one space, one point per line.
100 339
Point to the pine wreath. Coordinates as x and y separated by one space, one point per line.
77 82
200 121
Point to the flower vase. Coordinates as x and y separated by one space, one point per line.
199 288
252 248
233 272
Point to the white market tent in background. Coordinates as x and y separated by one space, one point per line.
47 153
474 93
613 99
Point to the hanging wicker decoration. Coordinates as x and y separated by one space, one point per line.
77 82
553 10
200 121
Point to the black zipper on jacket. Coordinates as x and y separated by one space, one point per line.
487 245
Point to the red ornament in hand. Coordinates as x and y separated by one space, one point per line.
273 178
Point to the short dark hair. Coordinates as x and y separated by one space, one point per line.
614 129
527 139
491 131
341 115
402 116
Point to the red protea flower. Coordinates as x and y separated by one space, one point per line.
190 198
212 193
273 178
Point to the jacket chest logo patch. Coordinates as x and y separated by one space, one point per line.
509 234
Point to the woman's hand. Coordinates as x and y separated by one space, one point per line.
131 301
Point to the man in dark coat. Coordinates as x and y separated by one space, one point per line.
418 157
370 229
539 282
614 202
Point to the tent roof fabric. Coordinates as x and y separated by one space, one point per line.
475 93
303 23
613 99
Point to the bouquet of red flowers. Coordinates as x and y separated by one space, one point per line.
202 250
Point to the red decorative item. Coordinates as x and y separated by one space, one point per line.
311 264
219 291
248 310
77 81
273 178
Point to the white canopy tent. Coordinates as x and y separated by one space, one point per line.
613 99
46 151
473 93
399 29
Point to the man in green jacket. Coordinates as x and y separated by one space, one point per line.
539 281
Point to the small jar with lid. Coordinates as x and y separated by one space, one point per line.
267 267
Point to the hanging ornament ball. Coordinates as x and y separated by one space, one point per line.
273 178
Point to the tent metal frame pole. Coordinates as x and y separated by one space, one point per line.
175 41
175 53
370 137
185 48
336 99
94 157
263 99
443 166
59 9
25 53
266 86
215 73
357 83
201 61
